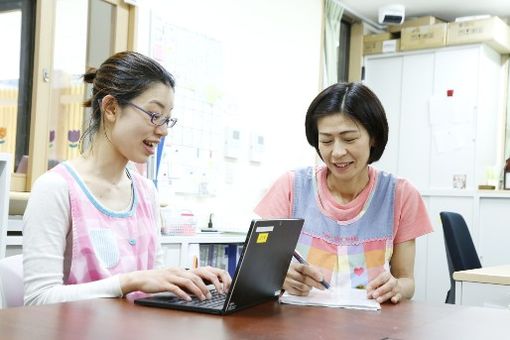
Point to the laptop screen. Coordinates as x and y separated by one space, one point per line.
260 272
264 261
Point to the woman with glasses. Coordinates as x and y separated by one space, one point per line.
91 227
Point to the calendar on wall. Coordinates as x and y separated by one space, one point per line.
193 151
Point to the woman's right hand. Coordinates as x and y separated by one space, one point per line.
179 281
301 278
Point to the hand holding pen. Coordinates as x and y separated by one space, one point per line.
301 260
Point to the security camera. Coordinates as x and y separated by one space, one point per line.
392 14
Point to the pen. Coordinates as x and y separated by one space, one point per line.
300 259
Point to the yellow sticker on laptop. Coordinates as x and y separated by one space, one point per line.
262 237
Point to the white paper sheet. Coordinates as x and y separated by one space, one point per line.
335 297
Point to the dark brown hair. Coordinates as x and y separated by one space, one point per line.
125 76
357 102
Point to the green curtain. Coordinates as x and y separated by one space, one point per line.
333 11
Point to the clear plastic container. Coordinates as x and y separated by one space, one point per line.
178 222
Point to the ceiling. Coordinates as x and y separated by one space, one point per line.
447 10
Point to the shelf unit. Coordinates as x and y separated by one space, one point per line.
444 109
178 249
5 183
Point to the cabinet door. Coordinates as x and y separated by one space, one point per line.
494 232
414 131
454 132
384 77
490 105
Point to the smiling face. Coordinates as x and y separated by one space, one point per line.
344 146
131 131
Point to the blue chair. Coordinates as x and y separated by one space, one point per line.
460 250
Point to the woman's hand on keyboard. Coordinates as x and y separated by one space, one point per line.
218 277
179 281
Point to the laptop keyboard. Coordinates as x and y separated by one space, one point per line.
215 302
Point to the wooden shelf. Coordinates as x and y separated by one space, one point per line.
466 193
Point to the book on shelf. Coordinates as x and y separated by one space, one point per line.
224 256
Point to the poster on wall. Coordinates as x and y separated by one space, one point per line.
191 158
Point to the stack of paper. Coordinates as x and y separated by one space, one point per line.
334 297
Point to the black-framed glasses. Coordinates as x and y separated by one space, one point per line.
156 118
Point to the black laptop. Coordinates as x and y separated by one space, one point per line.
259 275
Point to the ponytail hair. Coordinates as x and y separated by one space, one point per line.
89 77
125 76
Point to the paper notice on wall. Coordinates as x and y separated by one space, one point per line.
451 138
463 111
442 140
438 110
448 110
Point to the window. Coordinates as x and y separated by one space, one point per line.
43 88
16 67
66 114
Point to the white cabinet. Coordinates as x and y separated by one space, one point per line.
493 238
434 136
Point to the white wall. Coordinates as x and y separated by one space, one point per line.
271 65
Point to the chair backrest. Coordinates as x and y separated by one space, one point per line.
11 281
460 251
459 244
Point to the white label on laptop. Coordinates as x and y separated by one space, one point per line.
264 229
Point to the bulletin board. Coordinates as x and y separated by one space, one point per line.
193 150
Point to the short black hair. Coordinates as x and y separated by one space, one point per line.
359 103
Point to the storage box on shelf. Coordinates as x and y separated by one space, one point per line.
491 31
380 43
420 37
178 222
414 22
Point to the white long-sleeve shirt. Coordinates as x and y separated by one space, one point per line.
47 246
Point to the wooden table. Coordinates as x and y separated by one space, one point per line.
119 319
487 285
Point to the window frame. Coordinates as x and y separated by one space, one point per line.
27 47
124 31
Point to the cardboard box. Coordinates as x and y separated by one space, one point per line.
492 31
431 36
377 37
414 22
382 46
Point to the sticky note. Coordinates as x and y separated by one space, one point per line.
262 237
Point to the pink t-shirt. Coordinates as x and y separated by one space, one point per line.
411 218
